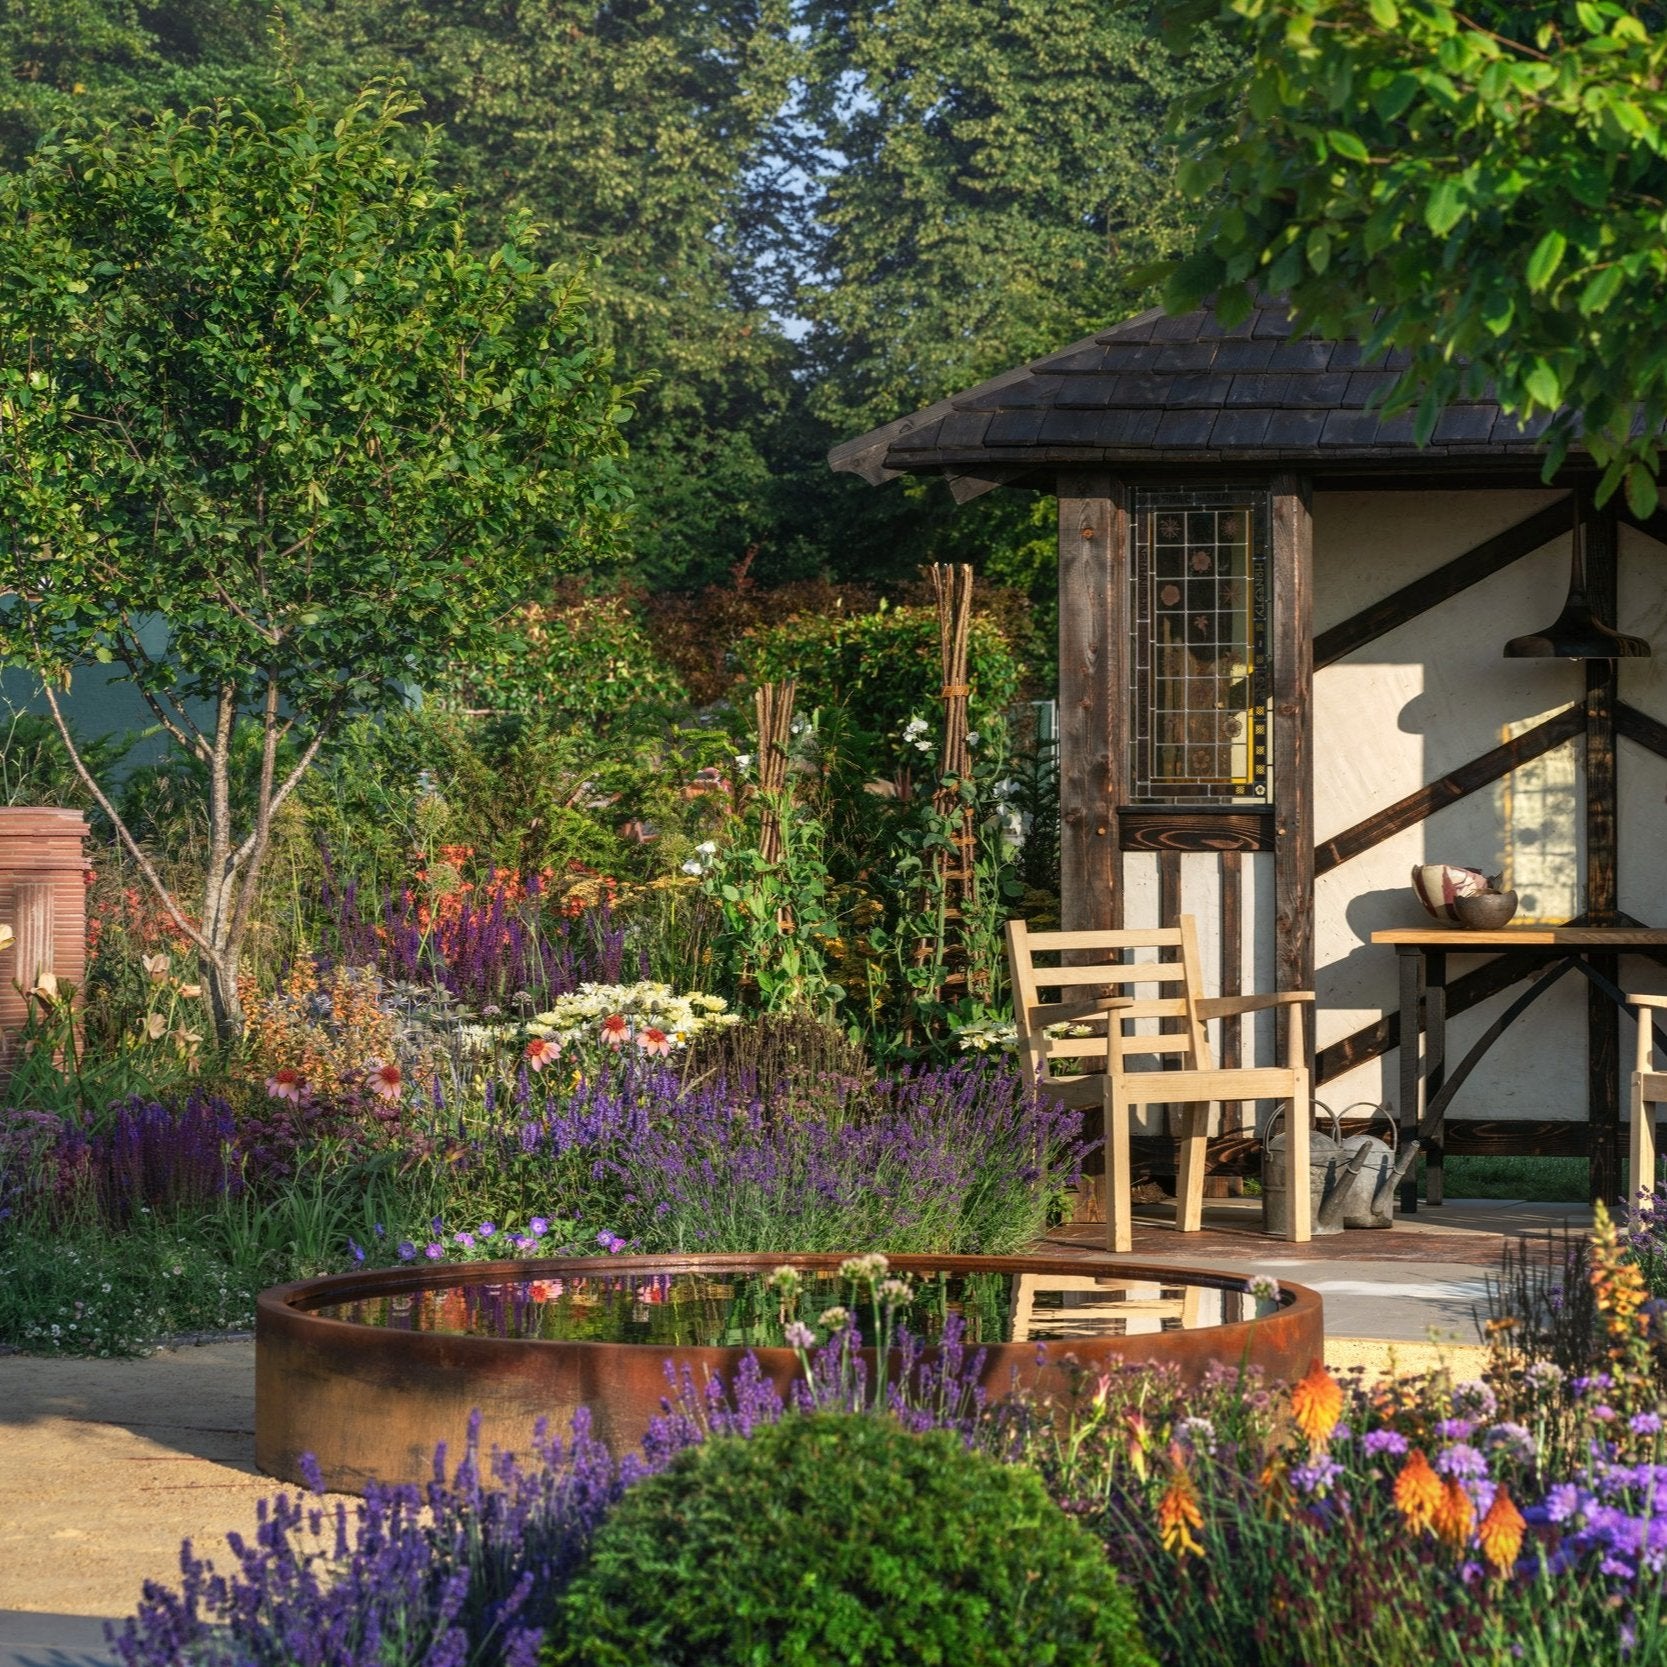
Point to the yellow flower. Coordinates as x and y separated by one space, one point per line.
1417 1492
1316 1405
1500 1535
1179 1516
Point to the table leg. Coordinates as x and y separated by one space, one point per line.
1435 1066
1603 1083
1412 993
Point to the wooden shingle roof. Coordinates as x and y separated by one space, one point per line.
1162 390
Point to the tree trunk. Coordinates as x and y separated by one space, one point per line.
219 978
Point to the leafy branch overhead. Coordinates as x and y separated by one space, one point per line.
1484 188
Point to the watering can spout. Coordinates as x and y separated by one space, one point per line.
1337 1199
1383 1200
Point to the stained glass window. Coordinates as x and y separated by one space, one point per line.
1200 613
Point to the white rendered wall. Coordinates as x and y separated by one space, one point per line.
1423 700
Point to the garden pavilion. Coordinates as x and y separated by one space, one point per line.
1282 684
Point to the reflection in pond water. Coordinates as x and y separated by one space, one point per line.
743 1309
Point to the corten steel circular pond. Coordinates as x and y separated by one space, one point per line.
369 1371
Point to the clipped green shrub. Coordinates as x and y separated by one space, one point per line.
842 1538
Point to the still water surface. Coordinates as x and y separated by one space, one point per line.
741 1309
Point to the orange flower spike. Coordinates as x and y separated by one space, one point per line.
1455 1516
1179 1517
1500 1535
1417 1492
1317 1405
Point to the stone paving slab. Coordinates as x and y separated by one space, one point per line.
36 1640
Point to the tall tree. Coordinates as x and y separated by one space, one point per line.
255 386
994 169
1482 186
991 170
648 134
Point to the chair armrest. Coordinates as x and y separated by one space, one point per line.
1647 1001
1225 1007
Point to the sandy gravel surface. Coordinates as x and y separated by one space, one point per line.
107 1465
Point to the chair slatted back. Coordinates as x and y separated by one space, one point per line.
1174 975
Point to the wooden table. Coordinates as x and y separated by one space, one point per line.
1594 951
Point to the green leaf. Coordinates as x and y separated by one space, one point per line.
1546 258
1348 145
1602 289
1385 13
1642 492
1543 384
1445 207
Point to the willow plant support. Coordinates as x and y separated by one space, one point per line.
774 705
955 870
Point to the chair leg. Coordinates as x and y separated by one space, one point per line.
1296 1159
1119 1174
1189 1183
1641 1146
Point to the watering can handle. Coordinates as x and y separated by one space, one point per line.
1377 1111
1280 1110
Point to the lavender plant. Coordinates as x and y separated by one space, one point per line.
963 1158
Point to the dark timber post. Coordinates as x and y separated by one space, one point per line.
1093 695
1603 1018
1293 737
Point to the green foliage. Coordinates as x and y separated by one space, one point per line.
877 671
840 1538
522 793
35 766
1478 187
81 1289
253 385
586 665
1002 164
645 134
775 923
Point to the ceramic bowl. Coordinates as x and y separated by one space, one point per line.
1486 911
1439 886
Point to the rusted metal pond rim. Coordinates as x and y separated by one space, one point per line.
370 1403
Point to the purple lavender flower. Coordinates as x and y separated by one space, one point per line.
1391 1442
538 1227
1645 1423
434 1252
407 1251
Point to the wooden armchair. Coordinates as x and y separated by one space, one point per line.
1177 1069
1649 1089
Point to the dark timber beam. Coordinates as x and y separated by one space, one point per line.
1293 736
1440 586
1449 789
1641 727
1093 694
1603 1018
